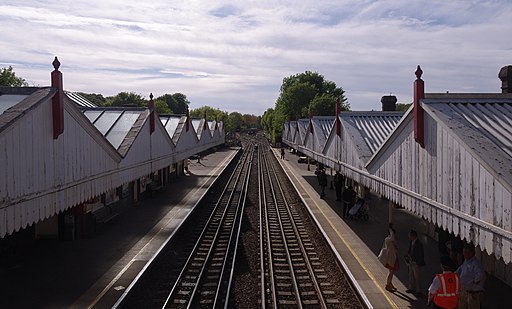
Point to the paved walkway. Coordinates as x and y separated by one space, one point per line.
94 272
359 243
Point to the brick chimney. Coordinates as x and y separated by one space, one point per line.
388 103
151 107
505 76
57 100
205 123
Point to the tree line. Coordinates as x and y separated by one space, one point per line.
167 104
300 95
303 94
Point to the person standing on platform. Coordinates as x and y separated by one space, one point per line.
338 185
322 181
388 256
472 278
348 200
415 258
445 288
282 153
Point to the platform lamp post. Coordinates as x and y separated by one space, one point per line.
308 164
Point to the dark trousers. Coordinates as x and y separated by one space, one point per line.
346 208
338 193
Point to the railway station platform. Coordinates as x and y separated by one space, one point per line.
93 272
359 242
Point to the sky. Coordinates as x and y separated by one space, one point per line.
234 55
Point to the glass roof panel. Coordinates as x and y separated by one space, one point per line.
107 119
122 127
92 115
9 100
172 125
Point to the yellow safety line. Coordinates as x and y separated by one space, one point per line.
187 198
345 242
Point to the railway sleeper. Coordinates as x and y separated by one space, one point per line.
287 302
180 301
283 285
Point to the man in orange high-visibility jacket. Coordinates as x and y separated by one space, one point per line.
445 288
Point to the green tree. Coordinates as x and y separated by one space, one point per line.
162 108
267 119
235 121
9 78
249 121
177 102
94 98
127 99
211 113
402 106
323 105
302 92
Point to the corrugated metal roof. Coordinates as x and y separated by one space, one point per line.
79 100
325 123
493 120
373 127
293 128
484 125
303 127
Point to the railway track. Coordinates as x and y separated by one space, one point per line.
291 273
194 268
205 279
260 226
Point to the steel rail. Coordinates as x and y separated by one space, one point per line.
283 237
229 186
307 261
233 242
225 219
264 235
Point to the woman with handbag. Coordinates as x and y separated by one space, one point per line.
388 256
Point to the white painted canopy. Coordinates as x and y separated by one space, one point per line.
99 150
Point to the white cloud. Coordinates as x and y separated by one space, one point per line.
234 56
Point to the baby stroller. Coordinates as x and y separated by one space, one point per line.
359 211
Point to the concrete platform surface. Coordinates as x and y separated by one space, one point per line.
93 272
359 243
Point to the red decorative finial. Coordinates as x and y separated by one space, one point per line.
151 96
418 72
56 64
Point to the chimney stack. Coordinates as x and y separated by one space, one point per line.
388 103
506 79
